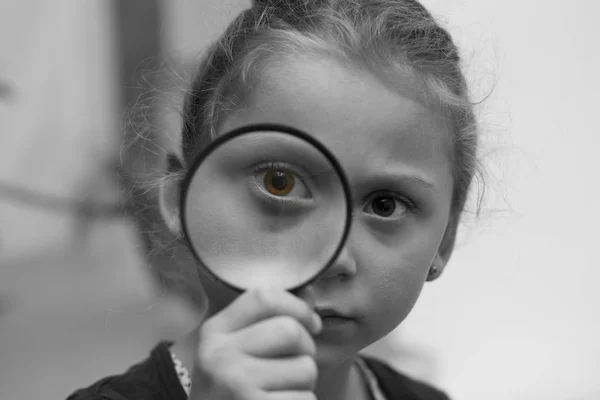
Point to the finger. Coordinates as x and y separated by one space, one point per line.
306 293
291 395
259 304
294 373
276 337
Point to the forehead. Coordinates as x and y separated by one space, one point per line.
363 122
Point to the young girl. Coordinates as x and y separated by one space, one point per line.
379 83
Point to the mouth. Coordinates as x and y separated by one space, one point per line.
332 314
335 321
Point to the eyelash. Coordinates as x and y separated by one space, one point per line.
264 166
272 164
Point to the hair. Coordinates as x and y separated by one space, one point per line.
388 37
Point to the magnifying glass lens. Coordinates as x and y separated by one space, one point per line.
265 207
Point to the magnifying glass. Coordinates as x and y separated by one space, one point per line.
266 205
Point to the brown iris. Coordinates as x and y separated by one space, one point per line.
279 182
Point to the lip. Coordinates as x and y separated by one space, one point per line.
331 313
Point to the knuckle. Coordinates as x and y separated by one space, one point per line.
310 347
222 370
290 329
233 375
204 353
207 328
266 299
213 352
229 374
308 368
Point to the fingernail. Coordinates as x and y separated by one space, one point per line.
317 323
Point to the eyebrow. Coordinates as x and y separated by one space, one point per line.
391 177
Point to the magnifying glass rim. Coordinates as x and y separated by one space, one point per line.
272 128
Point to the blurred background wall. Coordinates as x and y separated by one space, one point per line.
75 295
516 315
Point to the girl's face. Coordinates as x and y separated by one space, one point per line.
396 155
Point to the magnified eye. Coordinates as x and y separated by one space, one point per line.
279 182
282 182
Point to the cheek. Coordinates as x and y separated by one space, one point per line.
393 277
395 290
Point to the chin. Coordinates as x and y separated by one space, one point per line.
327 359
330 355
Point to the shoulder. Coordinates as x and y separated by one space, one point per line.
151 379
396 385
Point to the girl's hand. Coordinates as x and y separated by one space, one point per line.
258 348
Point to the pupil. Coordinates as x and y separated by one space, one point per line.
384 206
279 180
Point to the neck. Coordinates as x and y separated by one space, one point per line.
339 382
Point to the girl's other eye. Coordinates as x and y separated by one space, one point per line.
388 206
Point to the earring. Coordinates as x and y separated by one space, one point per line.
433 271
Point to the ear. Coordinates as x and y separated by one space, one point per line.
445 249
169 195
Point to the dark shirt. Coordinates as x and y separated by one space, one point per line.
155 379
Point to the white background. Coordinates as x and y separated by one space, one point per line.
515 316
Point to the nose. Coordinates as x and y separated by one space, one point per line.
343 268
